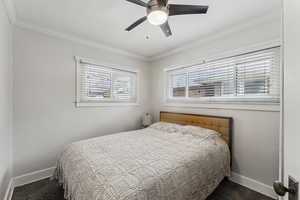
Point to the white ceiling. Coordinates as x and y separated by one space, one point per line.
104 21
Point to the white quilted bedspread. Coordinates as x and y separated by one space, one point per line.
145 164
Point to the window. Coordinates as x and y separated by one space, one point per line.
252 77
104 85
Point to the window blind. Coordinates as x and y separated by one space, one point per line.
250 76
259 74
105 84
124 86
179 82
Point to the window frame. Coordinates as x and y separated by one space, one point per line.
107 102
232 100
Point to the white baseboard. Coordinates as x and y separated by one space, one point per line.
33 177
253 185
26 179
9 190
46 173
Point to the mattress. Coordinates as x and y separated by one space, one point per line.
146 164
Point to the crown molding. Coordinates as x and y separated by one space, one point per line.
10 10
258 21
79 40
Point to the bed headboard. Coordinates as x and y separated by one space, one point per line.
223 125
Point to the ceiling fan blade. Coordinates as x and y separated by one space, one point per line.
138 2
177 9
135 24
166 29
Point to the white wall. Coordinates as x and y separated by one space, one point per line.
5 99
255 136
45 117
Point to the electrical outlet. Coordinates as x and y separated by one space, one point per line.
294 186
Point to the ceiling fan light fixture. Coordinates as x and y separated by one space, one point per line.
158 12
157 17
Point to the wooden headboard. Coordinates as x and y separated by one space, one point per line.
223 125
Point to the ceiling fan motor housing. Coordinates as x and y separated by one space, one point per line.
153 5
155 8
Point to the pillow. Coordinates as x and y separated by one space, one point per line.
166 127
199 131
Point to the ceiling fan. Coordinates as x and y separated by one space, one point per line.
158 12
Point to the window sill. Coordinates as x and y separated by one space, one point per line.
89 104
250 106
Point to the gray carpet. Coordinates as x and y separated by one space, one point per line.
50 190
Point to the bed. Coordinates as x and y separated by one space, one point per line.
183 157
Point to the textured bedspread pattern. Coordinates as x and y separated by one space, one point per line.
145 164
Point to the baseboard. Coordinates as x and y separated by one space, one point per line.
26 179
46 173
253 184
9 190
33 177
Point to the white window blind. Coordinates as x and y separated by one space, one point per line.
253 77
101 84
179 82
